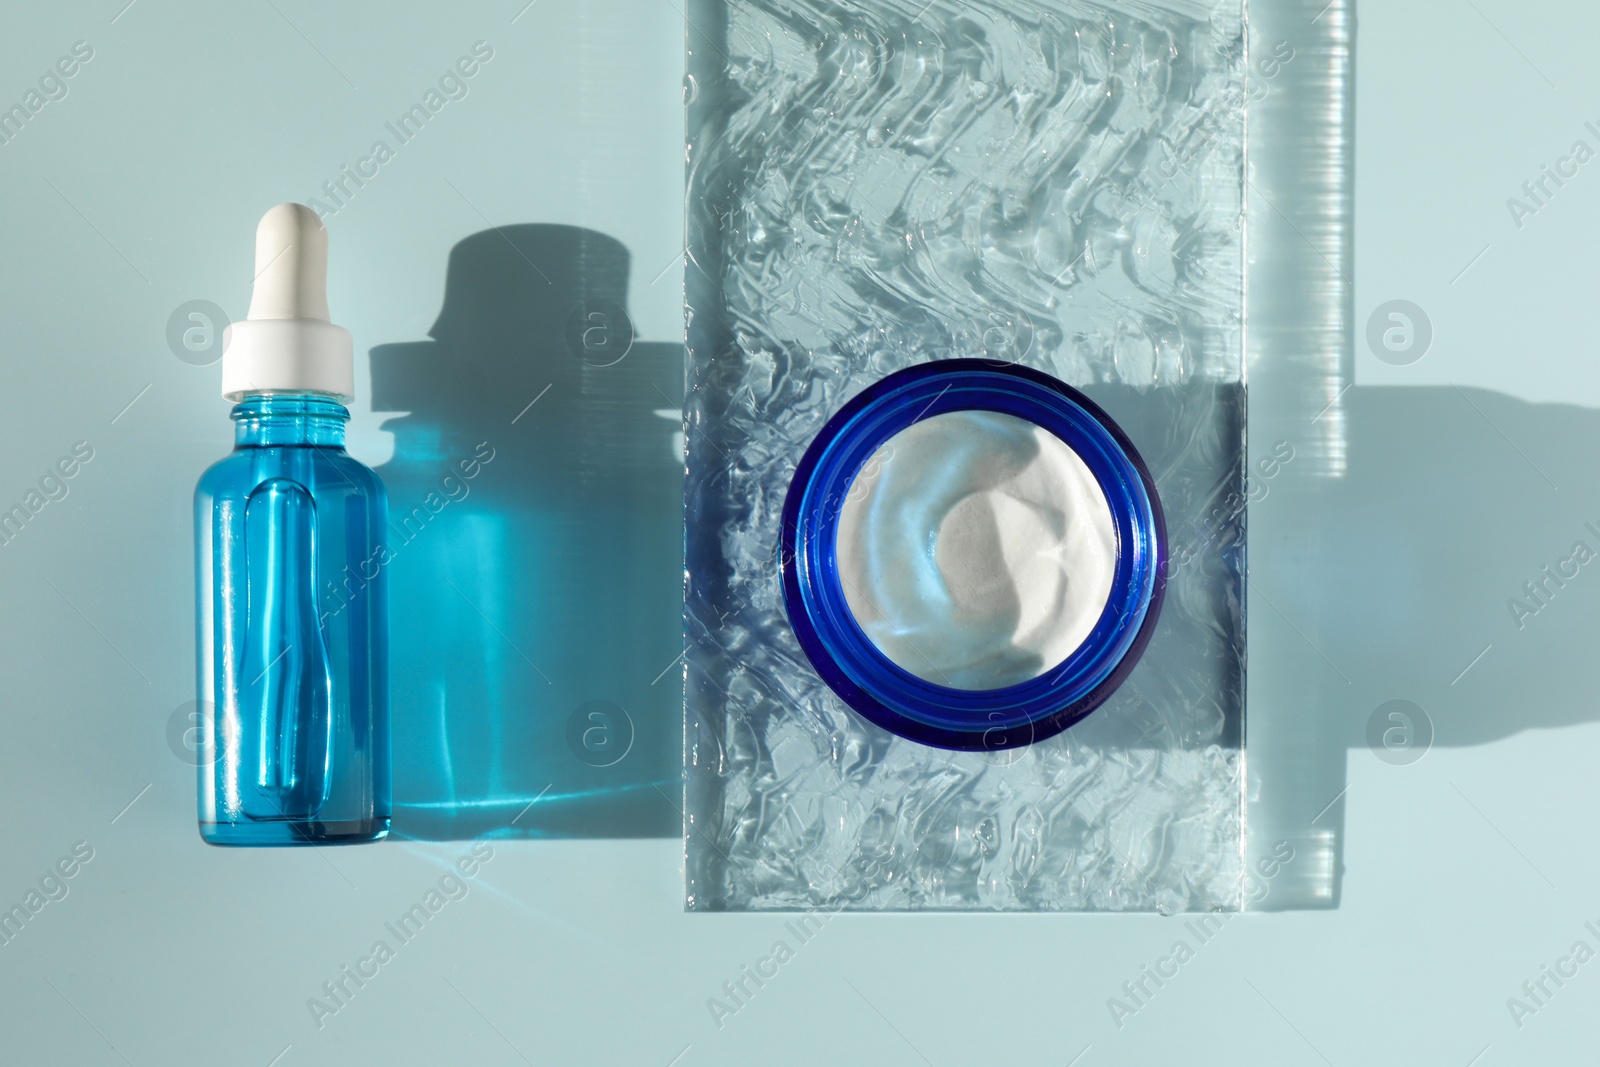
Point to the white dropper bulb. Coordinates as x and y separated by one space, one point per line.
291 265
287 344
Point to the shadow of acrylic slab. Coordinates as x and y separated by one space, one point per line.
536 529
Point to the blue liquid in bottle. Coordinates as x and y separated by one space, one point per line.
290 560
293 643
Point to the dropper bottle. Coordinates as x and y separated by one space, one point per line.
290 559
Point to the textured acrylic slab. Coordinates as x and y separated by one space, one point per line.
878 184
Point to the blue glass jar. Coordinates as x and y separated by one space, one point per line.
884 691
290 561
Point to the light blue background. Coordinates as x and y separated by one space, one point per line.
1462 874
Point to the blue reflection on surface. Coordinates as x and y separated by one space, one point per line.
536 525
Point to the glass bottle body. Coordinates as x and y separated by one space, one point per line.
292 633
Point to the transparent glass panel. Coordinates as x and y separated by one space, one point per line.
879 184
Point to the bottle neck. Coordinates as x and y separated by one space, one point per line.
279 419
